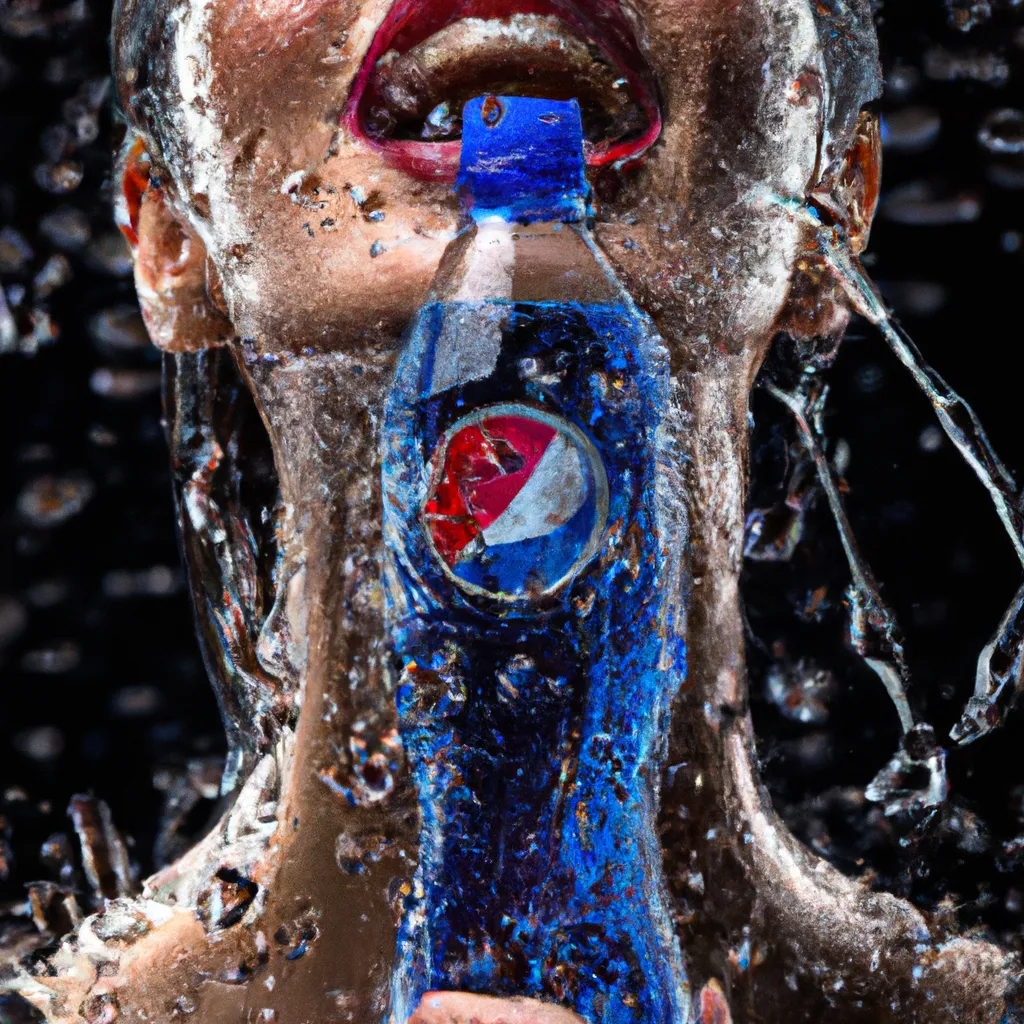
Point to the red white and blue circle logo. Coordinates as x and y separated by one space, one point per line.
518 502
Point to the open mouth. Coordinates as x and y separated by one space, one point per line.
428 59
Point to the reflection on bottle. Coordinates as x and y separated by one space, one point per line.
534 651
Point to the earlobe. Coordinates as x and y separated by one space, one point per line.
174 278
818 311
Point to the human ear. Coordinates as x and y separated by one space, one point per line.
817 311
178 287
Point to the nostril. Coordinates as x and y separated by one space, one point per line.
467 1008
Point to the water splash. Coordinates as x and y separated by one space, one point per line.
1001 661
998 677
874 631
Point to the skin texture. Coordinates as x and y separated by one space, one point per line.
255 113
256 235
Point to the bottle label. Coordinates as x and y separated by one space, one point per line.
517 504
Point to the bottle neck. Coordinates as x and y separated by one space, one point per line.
546 261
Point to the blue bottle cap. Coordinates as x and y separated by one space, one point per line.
522 159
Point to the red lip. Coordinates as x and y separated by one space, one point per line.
410 22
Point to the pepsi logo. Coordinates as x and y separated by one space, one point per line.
517 502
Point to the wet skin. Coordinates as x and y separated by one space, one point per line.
275 223
264 87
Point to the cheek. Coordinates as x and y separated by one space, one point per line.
344 268
720 281
338 251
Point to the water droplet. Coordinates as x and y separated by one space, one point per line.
43 744
442 123
54 660
49 500
124 384
801 691
54 274
919 203
910 129
913 783
355 851
66 228
13 620
100 1009
119 328
967 14
942 65
1003 131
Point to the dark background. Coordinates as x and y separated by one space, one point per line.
101 685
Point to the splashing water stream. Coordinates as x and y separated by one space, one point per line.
1001 660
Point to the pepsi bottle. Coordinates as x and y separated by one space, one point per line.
535 643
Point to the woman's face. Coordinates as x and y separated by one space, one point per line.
312 145
308 150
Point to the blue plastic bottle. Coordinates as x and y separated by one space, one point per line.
536 648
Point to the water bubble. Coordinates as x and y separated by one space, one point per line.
15 252
48 593
50 500
100 1009
972 66
869 379
919 203
1003 131
42 744
119 328
967 14
136 702
54 660
13 620
67 228
61 177
54 274
441 123
801 691
124 384
157 581
355 851
910 129
225 903
109 254
375 760
914 782
902 80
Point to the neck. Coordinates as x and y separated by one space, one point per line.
344 829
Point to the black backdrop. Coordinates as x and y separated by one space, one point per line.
101 685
